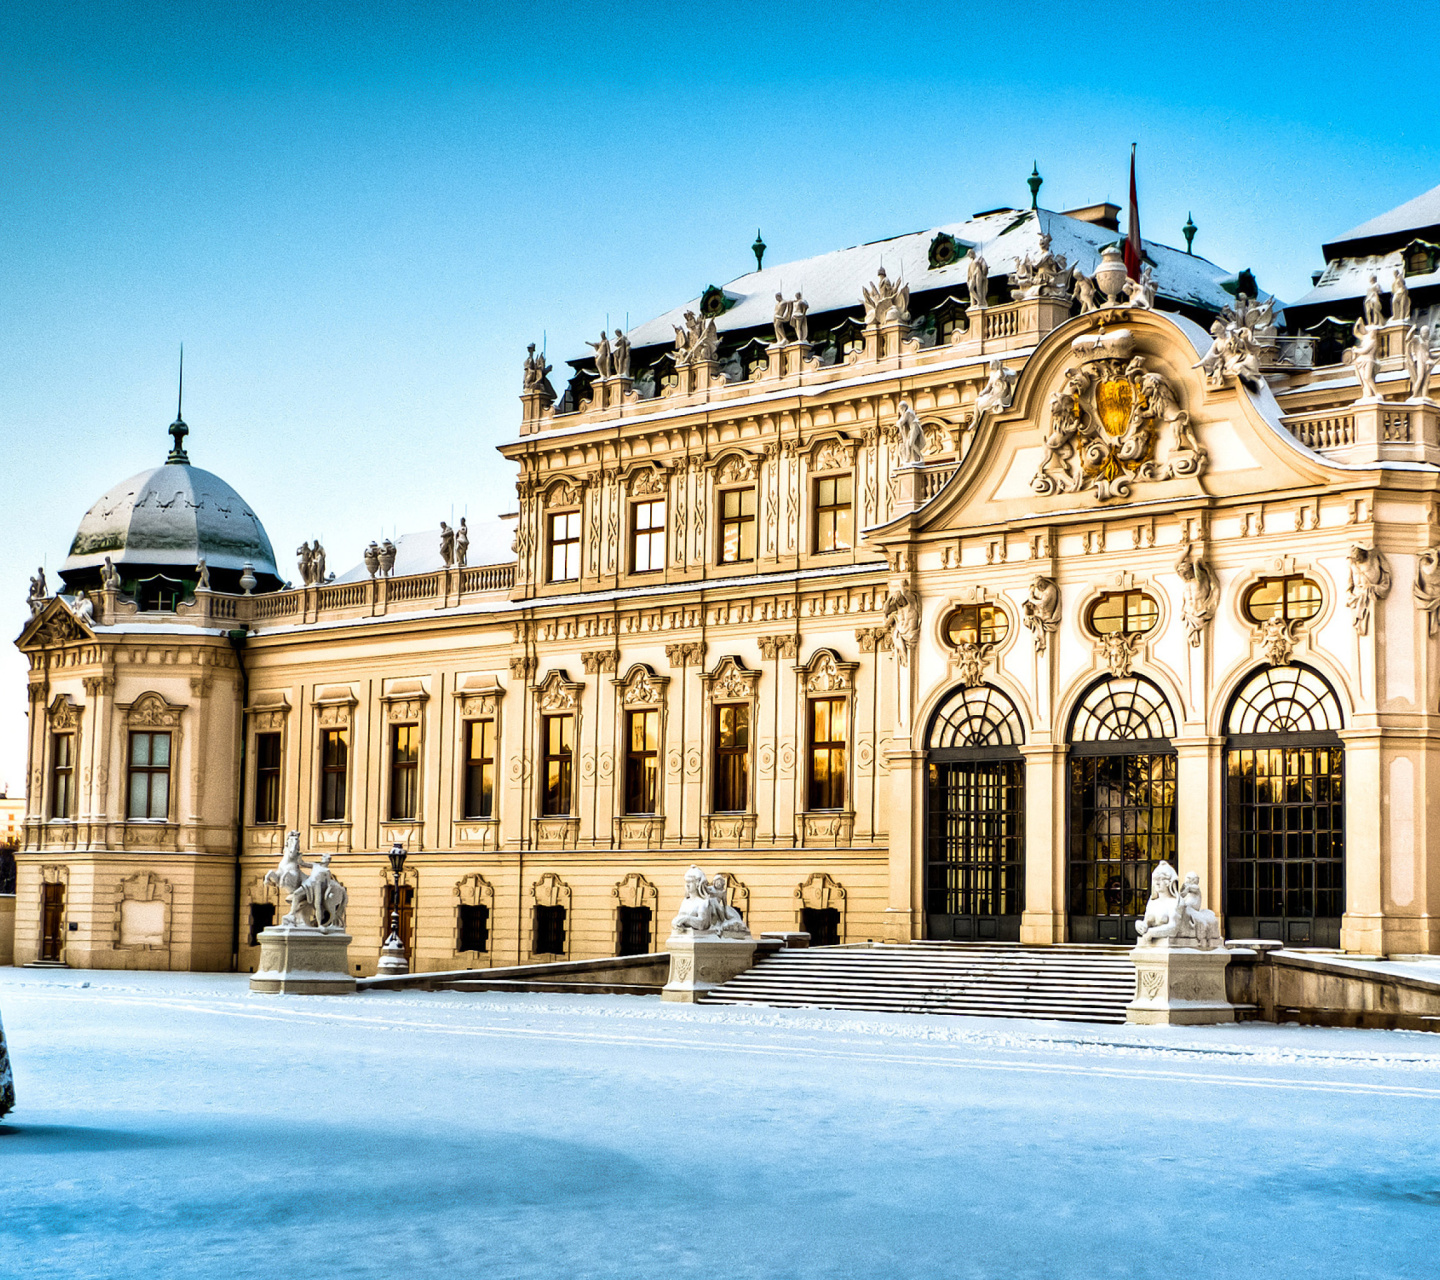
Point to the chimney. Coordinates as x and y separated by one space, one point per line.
1104 214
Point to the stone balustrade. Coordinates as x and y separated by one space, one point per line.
1371 431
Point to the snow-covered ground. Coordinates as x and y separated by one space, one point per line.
175 1125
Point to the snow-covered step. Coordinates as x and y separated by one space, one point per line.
1071 983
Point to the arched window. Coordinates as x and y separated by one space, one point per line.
975 817
981 716
1121 805
1285 809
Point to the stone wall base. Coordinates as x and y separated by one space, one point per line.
698 965
1179 987
303 962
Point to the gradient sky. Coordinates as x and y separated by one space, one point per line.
355 216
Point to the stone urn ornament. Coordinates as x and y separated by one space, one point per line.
1110 275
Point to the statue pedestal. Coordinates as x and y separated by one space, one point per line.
1182 986
303 962
909 489
699 964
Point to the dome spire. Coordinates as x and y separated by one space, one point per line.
178 429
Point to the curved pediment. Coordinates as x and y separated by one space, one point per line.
1111 410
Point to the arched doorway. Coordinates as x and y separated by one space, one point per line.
1121 805
1285 809
975 818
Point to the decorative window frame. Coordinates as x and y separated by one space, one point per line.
635 891
268 712
474 890
64 715
556 694
640 689
143 886
402 702
972 666
333 708
645 482
477 697
734 468
1129 651
560 495
152 711
1301 634
829 456
820 891
551 891
825 675
729 682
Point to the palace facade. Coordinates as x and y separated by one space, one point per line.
941 599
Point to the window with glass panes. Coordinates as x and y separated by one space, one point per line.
977 624
149 775
642 761
404 771
737 526
479 769
267 777
827 753
62 775
1124 613
565 547
1293 598
334 768
647 536
732 757
557 737
833 514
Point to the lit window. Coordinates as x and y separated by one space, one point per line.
1124 612
1293 598
642 761
557 733
479 772
404 771
647 536
737 526
977 624
149 775
565 547
833 514
732 758
827 753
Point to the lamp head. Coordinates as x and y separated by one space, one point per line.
397 858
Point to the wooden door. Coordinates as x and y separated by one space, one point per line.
52 921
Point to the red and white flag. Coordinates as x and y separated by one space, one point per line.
1134 257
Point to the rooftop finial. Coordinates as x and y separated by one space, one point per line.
178 429
758 249
1188 231
1033 182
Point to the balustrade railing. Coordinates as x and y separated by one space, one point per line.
1324 431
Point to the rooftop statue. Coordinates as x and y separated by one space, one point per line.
109 576
1364 358
977 276
1233 351
537 380
800 318
704 912
1141 292
1399 297
1084 289
784 309
84 607
620 355
909 437
602 354
202 576
38 592
462 541
886 302
1374 305
1419 360
447 545
999 388
1045 276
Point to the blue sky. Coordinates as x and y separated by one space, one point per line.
356 216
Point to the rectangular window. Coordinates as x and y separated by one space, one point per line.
737 526
634 931
149 775
565 547
550 931
479 769
334 767
474 928
557 733
647 536
62 776
827 753
267 777
833 514
642 761
732 758
404 772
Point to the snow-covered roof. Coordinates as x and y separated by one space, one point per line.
1419 214
1348 278
420 552
833 281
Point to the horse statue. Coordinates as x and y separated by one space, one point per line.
290 872
318 902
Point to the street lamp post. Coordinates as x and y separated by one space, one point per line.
393 959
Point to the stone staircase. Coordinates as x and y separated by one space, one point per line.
986 980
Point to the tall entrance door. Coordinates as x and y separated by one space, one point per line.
1285 809
975 818
1121 820
52 921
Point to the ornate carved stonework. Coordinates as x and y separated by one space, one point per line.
970 660
648 482
826 675
873 639
151 711
1119 652
644 689
732 681
1277 636
404 710
779 646
64 715
597 660
558 693
474 706
833 455
691 653
735 469
335 715
1369 582
524 667
1106 420
1042 610
564 493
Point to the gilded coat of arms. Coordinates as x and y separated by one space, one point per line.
1105 421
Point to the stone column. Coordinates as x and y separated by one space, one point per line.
1043 920
904 916
1362 926
1199 792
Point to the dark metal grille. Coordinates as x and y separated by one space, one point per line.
474 927
1122 824
550 931
1122 709
977 717
634 931
975 855
1284 700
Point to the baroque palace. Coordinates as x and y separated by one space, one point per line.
934 588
